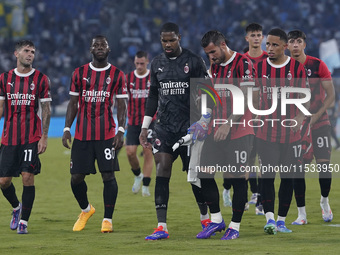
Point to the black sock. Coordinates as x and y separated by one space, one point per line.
259 188
239 198
253 184
110 196
285 196
200 199
325 186
10 195
325 179
227 183
28 195
211 194
268 194
299 185
136 172
161 197
80 193
146 181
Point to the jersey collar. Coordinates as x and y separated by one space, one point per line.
278 66
100 69
23 74
142 76
229 60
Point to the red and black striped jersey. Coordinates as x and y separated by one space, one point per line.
237 71
258 59
22 113
317 71
138 89
275 126
96 88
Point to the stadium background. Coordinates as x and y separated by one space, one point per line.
61 30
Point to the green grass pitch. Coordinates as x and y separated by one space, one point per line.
55 211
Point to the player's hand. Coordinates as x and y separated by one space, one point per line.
222 133
67 139
118 140
143 139
299 119
42 144
199 130
313 119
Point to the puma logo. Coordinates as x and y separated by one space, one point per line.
11 84
87 80
266 76
161 69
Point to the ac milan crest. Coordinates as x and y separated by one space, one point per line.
32 86
186 68
158 142
309 72
108 80
289 76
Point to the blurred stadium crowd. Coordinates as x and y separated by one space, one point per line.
62 29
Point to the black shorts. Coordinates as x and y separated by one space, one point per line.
15 159
163 141
321 139
228 156
133 132
283 158
84 154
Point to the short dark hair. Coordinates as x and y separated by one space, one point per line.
296 34
253 27
280 33
141 54
170 27
213 36
99 37
23 43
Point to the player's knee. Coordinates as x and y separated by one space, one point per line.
77 178
108 176
324 170
27 179
131 151
5 183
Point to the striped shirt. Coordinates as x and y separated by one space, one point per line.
97 89
22 113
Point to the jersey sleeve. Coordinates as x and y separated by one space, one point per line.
122 88
75 85
324 72
2 87
152 101
201 69
128 84
45 90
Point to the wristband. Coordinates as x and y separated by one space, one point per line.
66 129
146 122
121 129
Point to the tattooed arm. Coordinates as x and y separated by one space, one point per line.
46 116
